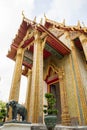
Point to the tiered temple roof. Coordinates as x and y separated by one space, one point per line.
53 31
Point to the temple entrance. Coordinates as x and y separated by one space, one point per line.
54 88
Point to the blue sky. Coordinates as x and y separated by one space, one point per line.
11 18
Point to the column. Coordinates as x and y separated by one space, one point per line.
28 91
65 117
79 85
83 40
36 104
15 86
48 88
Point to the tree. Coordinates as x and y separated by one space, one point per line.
50 107
2 111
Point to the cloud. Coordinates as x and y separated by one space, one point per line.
67 9
10 20
11 17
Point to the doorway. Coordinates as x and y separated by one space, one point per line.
55 90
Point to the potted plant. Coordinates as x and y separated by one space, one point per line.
50 111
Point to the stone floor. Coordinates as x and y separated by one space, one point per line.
71 128
58 127
17 126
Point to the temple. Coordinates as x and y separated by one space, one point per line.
53 57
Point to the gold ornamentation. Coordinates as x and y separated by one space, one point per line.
65 114
41 21
63 22
78 25
45 17
34 19
23 14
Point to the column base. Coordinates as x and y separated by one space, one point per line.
66 119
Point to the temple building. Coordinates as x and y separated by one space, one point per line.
53 57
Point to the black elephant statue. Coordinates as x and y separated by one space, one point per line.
16 109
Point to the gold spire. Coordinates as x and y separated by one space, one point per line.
41 20
83 24
84 27
78 25
63 22
34 19
45 17
23 14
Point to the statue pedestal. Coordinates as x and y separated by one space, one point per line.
15 126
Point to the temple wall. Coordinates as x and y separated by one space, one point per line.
69 81
83 70
70 86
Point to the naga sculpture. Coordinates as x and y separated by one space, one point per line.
16 109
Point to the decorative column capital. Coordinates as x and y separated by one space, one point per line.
43 42
37 35
40 38
19 51
29 72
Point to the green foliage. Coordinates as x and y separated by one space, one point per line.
2 110
50 107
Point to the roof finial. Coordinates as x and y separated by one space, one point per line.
34 19
41 20
23 14
78 24
63 22
45 16
84 27
83 24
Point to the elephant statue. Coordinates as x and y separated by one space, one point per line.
16 109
